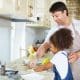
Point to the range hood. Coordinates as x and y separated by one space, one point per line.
15 18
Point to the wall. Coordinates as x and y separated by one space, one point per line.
34 34
4 40
74 8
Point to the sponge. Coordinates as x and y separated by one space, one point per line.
45 61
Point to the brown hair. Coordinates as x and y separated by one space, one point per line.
62 39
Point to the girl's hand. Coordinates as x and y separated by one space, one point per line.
39 68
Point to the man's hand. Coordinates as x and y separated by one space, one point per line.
42 49
73 57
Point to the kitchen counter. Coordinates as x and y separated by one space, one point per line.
24 70
9 78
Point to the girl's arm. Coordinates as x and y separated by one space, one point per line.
43 67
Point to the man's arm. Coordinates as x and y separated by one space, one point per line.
40 52
42 49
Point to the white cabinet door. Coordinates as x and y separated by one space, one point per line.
6 6
4 44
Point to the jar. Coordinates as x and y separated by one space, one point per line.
2 69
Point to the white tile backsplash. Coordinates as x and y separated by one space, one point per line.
33 34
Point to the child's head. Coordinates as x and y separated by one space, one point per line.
61 39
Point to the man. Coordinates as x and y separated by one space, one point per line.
60 15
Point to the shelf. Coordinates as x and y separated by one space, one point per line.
37 26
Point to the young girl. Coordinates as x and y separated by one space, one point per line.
60 41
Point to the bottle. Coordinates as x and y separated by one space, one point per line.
3 69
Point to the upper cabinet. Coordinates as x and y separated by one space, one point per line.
13 8
37 10
20 8
6 6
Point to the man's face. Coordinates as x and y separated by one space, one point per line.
59 17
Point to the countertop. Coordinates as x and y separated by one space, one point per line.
24 70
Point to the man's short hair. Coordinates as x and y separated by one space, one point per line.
58 6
